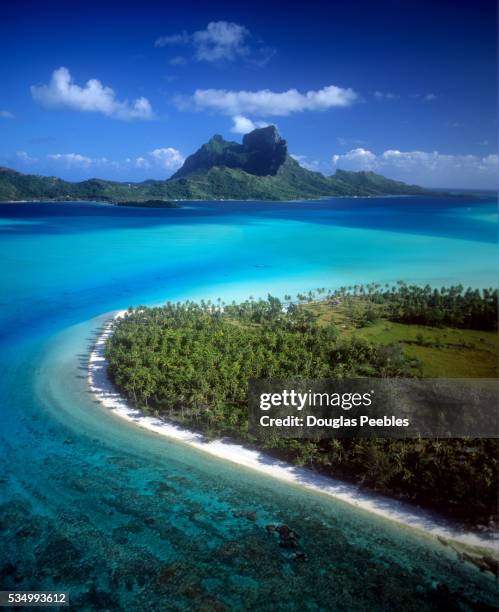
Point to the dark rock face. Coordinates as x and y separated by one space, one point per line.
267 151
262 153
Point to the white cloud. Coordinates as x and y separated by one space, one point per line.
71 159
221 41
75 160
63 93
491 161
156 164
306 162
24 158
266 102
243 125
140 162
427 168
349 141
358 158
385 95
175 39
168 157
6 114
427 97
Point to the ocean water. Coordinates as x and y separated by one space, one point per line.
123 519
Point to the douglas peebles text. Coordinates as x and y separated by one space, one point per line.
374 408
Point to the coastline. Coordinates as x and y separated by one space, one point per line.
451 194
380 505
268 201
296 200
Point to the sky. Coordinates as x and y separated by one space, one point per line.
125 91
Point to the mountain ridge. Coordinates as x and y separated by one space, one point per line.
259 168
261 153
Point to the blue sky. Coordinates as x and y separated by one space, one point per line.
126 90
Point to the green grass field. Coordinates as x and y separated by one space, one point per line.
443 352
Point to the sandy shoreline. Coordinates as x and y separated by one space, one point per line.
386 507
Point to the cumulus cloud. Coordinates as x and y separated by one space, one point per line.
243 125
359 158
168 157
62 93
76 160
427 168
140 162
266 102
4 114
221 41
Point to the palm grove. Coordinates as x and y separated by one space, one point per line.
191 362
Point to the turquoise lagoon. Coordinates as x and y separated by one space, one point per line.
123 519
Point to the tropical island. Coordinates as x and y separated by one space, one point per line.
151 204
190 363
258 169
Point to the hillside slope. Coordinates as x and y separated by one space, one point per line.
259 168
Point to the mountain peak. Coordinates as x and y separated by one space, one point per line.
259 168
217 139
261 153
267 151
268 135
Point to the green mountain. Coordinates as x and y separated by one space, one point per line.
258 169
262 153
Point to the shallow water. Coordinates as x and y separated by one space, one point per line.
124 519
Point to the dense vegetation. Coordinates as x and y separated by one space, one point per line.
192 362
452 306
261 153
152 204
259 169
218 183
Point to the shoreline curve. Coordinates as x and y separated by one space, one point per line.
380 505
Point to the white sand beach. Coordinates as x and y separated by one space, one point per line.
383 506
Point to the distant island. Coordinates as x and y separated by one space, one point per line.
258 169
151 204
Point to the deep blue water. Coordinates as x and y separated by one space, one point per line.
124 520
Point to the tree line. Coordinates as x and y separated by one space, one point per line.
191 362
